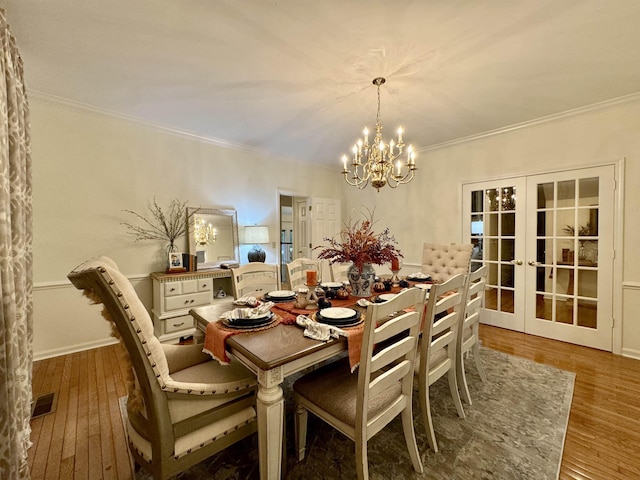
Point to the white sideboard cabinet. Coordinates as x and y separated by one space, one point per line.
174 294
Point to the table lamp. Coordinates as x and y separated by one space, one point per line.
256 235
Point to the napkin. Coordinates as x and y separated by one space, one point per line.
260 311
246 300
318 331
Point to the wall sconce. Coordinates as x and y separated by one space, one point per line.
256 235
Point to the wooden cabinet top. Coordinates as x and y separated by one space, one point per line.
209 273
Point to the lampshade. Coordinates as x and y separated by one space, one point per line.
256 234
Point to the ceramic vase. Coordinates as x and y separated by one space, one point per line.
361 281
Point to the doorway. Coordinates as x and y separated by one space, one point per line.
548 241
304 223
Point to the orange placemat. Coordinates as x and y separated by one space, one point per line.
216 334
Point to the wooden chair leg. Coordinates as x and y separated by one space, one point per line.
410 438
362 465
425 406
301 431
455 394
462 378
478 362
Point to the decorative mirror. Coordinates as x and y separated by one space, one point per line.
213 236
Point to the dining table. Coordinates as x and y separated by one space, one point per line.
274 353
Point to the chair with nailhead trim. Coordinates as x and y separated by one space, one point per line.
182 406
445 261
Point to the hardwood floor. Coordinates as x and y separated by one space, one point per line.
83 438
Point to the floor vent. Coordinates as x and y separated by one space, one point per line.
43 405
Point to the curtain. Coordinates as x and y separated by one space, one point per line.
16 262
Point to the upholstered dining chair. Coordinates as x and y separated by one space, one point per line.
468 339
182 405
360 404
442 319
296 271
255 278
444 261
339 271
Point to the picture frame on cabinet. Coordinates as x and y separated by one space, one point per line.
175 261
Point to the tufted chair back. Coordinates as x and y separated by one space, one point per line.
444 261
182 405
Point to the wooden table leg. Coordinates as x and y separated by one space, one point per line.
271 412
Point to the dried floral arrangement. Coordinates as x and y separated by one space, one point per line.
358 243
161 225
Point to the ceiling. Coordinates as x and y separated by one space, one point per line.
293 78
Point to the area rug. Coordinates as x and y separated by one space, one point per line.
515 429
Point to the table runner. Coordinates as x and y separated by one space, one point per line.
216 334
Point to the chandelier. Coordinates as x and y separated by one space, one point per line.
379 163
204 233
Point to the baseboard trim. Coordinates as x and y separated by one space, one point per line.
631 353
66 350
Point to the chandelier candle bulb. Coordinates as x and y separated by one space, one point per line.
399 134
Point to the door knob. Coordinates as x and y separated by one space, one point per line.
533 263
516 262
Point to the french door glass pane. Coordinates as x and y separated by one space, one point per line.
566 193
545 195
589 191
477 197
507 301
544 307
567 229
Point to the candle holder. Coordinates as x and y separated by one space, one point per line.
396 266
313 280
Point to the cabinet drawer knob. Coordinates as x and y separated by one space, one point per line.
178 324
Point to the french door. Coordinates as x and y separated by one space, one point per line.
548 242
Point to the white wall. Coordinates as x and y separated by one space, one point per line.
88 167
430 207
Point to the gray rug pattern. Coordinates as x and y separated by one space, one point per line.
515 429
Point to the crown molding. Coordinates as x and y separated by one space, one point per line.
87 109
595 107
91 109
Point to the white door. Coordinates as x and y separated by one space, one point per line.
325 223
548 242
302 227
494 213
570 256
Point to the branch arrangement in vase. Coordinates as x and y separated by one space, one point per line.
159 224
358 243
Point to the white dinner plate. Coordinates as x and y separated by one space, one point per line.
281 294
337 313
385 297
331 285
424 286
